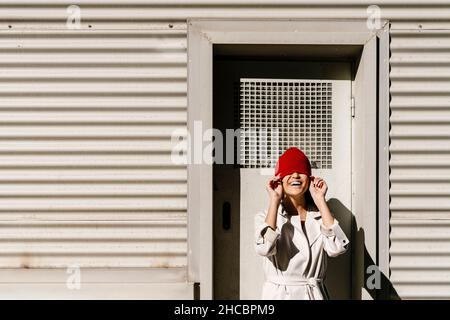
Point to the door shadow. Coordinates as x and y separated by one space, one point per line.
362 267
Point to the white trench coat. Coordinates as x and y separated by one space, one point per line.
294 264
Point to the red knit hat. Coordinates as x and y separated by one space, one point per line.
293 160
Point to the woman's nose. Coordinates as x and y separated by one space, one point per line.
296 174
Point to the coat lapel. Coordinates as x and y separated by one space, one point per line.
313 226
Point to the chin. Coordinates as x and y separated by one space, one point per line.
296 193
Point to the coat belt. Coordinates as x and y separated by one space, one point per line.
309 283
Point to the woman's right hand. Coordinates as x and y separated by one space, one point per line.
275 189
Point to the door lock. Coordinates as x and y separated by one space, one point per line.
226 215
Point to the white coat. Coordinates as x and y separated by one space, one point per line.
294 264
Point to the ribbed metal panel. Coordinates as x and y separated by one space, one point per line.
85 140
420 163
161 13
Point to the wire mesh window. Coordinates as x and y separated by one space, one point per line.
276 114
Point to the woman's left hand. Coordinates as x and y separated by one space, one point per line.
318 188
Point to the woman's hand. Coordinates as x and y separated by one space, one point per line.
318 189
275 189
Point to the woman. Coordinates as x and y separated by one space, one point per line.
295 231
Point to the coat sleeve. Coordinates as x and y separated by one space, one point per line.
334 238
265 237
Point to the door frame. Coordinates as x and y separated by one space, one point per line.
371 122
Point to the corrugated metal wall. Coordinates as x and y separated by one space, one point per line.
420 163
85 172
86 118
147 14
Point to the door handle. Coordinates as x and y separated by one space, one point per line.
226 215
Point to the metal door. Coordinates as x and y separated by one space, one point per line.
274 113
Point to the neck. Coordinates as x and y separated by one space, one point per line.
296 205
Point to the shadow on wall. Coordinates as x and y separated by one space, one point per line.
359 257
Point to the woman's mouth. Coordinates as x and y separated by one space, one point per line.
295 184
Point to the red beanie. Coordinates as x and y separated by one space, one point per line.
293 160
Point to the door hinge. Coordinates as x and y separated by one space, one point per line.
352 105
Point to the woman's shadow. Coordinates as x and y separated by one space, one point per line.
356 266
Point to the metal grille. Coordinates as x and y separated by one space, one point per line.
276 114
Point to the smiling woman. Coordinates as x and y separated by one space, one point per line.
295 231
